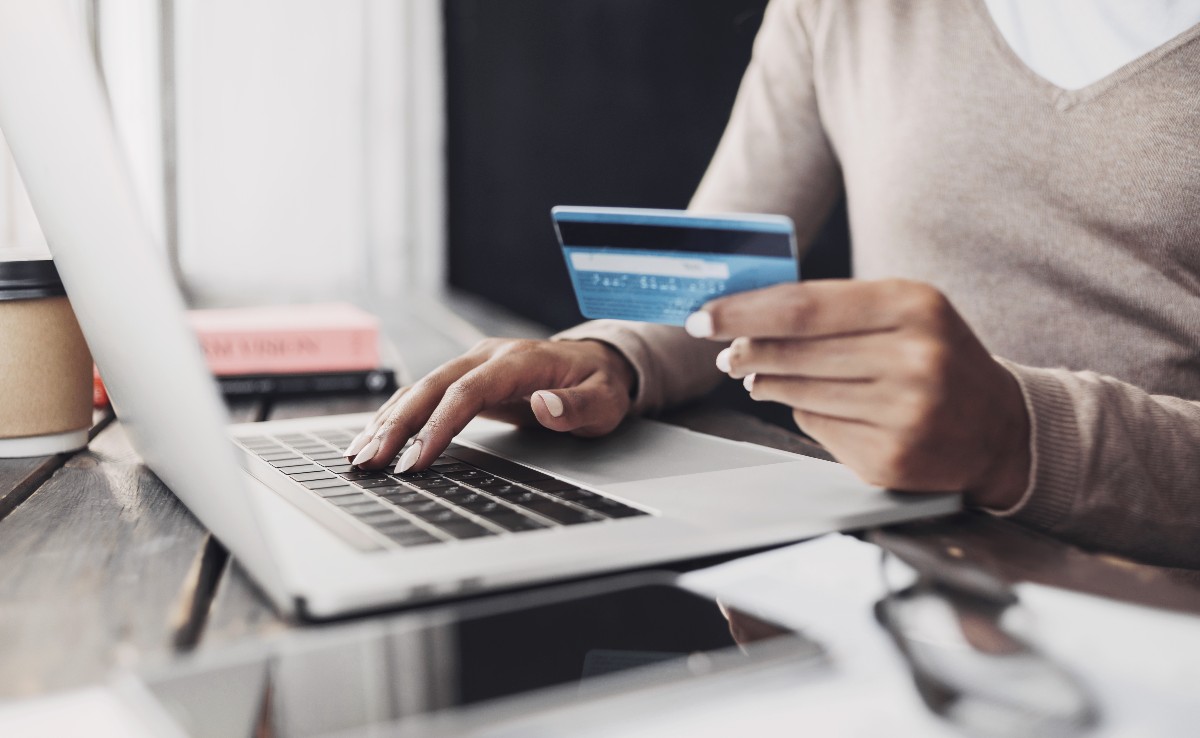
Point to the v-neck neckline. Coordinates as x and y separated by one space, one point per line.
1062 98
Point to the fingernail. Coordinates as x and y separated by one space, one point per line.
367 453
357 444
553 403
699 324
723 360
748 382
409 458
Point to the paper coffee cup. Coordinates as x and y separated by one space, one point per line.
45 365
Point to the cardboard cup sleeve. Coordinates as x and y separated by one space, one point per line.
46 392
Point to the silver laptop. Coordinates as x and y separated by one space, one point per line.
501 508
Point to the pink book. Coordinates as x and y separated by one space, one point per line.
288 339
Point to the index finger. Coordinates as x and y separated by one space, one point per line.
489 384
816 309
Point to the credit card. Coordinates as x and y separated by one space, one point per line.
659 266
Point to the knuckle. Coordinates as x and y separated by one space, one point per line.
516 346
391 425
461 390
921 407
925 357
741 351
798 311
487 346
921 301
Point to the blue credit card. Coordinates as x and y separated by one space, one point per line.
659 266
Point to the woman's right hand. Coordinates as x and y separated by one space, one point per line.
579 387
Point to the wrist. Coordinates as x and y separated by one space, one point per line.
619 369
1004 483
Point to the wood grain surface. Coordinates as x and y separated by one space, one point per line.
91 570
20 477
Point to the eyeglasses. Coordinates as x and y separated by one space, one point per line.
953 625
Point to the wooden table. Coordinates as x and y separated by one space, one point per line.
101 566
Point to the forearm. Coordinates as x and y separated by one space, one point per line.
1112 466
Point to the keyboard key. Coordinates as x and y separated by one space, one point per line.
455 466
380 516
466 475
413 537
335 461
294 471
489 483
313 476
484 507
419 507
463 497
464 529
414 476
324 483
355 476
294 461
448 492
401 496
356 499
441 515
551 485
251 440
621 511
502 490
515 522
400 528
264 450
574 494
338 468
312 448
329 456
524 497
279 456
431 483
559 513
378 484
341 490
365 508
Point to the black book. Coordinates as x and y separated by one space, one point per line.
370 382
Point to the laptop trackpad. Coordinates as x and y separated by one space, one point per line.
640 449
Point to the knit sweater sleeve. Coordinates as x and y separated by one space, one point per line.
773 158
1113 467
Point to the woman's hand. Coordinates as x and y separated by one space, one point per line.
581 387
887 376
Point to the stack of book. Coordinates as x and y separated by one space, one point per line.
324 349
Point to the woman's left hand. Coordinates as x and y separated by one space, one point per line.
887 376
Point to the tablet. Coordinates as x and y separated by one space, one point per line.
491 660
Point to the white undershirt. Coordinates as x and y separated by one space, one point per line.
1074 43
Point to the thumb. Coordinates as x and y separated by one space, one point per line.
594 407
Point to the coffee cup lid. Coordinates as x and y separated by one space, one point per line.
29 279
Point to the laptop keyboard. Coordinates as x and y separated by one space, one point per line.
465 494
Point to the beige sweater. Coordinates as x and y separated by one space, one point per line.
1064 226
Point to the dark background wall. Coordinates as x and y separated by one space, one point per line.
580 102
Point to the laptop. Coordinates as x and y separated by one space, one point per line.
501 508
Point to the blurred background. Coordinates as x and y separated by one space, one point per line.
390 151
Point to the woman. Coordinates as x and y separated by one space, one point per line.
1023 181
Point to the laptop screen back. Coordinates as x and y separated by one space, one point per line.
55 117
